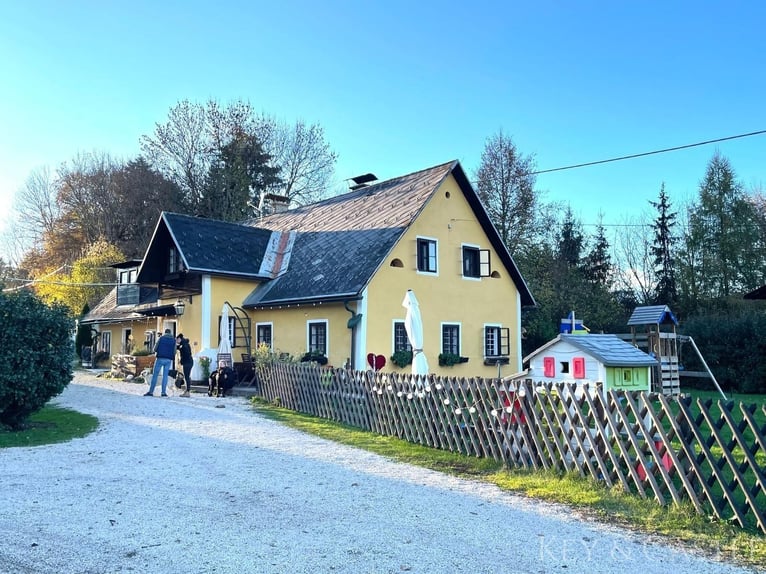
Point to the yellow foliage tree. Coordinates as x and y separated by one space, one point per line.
88 280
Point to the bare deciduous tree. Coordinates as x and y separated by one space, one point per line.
506 187
635 262
190 149
305 161
35 208
181 148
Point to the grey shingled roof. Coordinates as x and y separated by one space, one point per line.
339 242
108 310
207 245
610 350
652 315
327 265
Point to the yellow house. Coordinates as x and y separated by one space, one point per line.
330 278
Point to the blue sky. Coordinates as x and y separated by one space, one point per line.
403 85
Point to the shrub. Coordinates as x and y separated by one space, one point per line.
448 359
314 356
84 337
402 358
733 343
204 363
35 355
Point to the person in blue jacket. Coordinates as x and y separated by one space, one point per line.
165 352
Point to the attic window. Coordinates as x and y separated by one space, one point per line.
476 262
174 261
396 262
495 275
426 255
565 367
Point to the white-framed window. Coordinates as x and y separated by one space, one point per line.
427 255
451 338
401 341
264 333
476 262
128 276
317 337
497 341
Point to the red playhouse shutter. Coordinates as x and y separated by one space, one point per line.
549 367
578 365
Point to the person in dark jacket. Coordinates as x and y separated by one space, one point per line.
221 380
187 361
164 352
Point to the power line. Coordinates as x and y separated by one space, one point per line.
635 155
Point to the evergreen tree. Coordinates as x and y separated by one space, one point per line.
665 290
236 180
720 255
597 265
570 240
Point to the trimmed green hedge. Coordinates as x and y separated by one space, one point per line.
36 351
733 343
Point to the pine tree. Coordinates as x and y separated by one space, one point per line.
570 240
665 291
597 265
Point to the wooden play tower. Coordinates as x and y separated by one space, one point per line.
653 329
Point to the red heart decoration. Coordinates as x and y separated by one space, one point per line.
376 362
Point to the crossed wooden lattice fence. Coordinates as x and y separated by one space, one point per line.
671 450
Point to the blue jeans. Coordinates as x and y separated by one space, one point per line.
165 365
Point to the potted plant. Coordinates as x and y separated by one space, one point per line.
450 359
204 363
402 358
314 356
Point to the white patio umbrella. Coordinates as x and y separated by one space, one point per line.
413 324
224 347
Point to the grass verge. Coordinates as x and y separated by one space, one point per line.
50 425
678 524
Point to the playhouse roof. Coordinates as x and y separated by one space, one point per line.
608 349
652 315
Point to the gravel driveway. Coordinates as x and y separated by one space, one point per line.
174 485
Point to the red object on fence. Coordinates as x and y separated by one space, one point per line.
517 414
667 462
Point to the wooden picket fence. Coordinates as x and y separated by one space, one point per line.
671 450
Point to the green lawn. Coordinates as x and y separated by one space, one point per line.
50 425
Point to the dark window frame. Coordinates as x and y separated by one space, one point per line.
427 255
269 339
317 336
476 262
401 340
451 338
497 337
